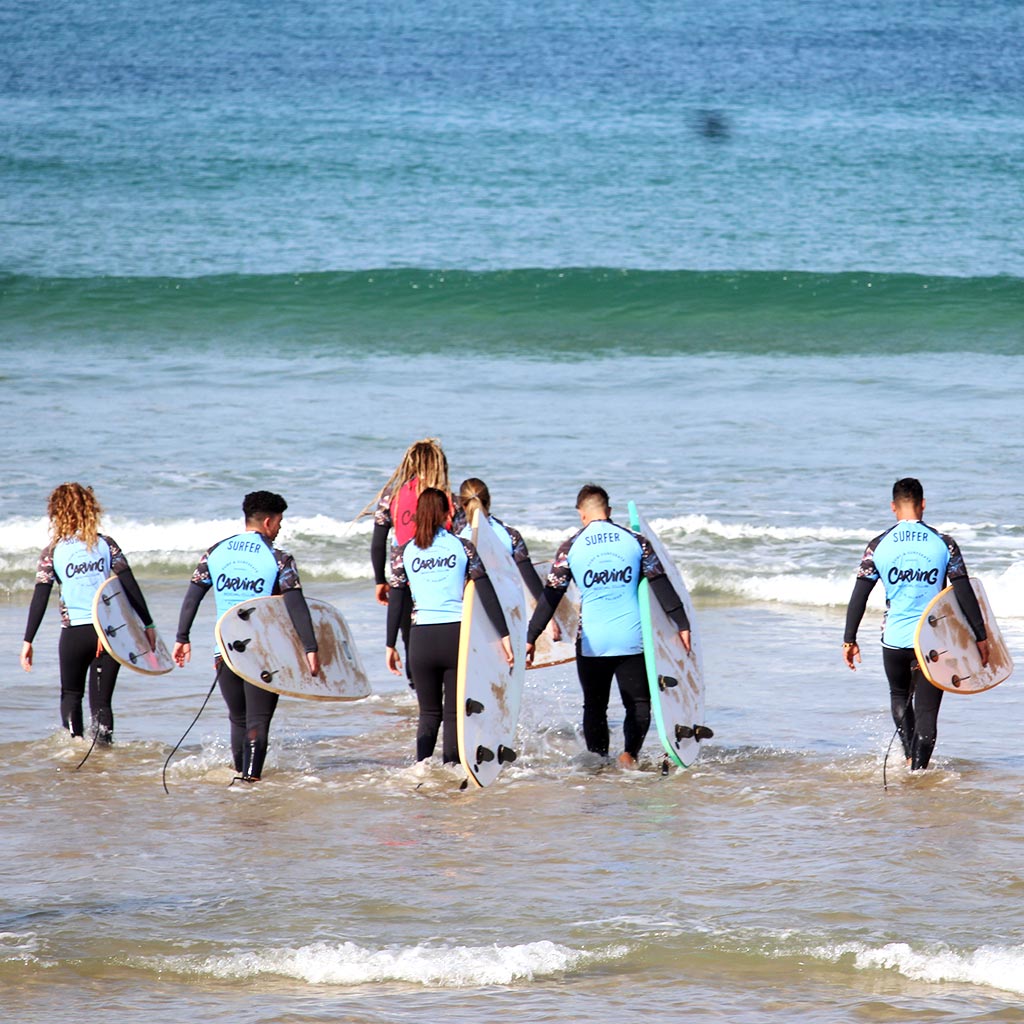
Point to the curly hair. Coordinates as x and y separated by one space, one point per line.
74 512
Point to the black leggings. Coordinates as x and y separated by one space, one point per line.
915 704
78 659
250 709
433 659
595 675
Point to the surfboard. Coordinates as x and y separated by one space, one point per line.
547 651
259 643
489 692
123 633
675 678
946 649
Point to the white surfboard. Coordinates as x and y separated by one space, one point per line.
258 641
548 651
675 678
489 692
123 633
947 651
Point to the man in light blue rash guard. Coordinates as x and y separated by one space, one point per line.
607 562
238 568
913 561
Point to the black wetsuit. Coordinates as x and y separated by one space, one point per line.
260 570
80 654
432 580
607 561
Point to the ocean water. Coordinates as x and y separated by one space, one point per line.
745 264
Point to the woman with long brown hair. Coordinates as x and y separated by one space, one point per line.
431 570
80 559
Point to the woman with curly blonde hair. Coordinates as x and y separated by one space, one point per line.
80 558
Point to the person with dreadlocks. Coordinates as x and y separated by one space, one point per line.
80 559
423 465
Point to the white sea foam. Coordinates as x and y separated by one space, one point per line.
999 967
439 966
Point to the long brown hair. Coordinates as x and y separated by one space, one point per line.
432 511
74 512
473 494
425 460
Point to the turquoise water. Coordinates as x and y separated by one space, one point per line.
745 264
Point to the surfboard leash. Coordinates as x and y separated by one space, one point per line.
163 776
903 720
95 737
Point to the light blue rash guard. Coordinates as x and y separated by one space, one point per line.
606 561
436 576
244 566
508 535
81 571
913 561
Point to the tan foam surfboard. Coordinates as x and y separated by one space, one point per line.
258 641
489 692
947 651
548 651
123 633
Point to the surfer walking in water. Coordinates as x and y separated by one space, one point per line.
80 559
238 568
914 562
429 573
607 562
423 465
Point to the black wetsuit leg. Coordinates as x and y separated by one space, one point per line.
927 699
250 710
433 664
76 652
631 675
102 679
900 666
595 676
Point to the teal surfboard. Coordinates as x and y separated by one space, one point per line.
675 678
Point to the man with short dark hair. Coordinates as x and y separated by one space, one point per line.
607 561
913 561
238 568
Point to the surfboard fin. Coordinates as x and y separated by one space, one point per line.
244 613
267 676
473 707
696 732
506 755
484 754
239 645
665 682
